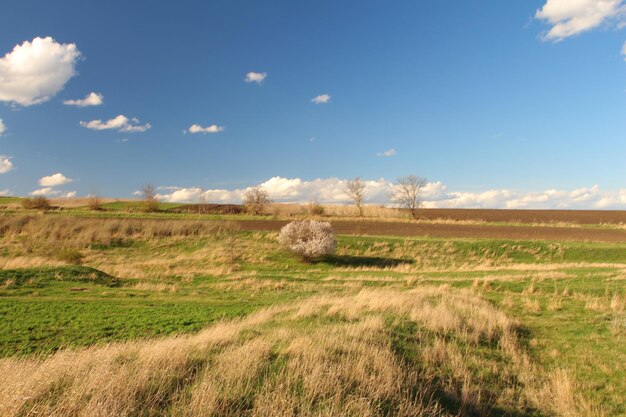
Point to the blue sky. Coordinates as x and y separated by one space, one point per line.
523 100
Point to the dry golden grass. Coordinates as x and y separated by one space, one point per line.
345 355
35 241
81 232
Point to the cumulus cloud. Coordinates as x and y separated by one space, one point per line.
45 191
328 190
581 198
92 99
35 71
54 180
435 195
209 129
180 195
571 17
120 123
69 194
5 164
255 77
321 99
387 153
3 127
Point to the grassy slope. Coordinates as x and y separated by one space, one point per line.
10 200
561 292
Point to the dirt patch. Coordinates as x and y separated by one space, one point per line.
527 216
452 230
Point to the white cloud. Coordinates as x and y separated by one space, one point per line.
35 71
435 195
209 129
54 180
5 192
387 153
120 123
3 127
571 17
92 99
5 164
45 191
321 99
581 198
328 190
181 195
255 77
69 194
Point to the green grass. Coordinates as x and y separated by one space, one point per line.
10 200
43 309
136 206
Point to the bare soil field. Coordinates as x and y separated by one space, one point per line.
454 231
581 217
527 216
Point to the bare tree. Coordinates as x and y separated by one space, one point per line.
202 202
408 192
356 192
256 200
149 197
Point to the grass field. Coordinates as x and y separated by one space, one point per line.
141 316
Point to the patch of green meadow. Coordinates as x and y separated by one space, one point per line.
562 293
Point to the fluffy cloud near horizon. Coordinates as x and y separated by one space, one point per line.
296 190
54 180
3 127
321 99
92 99
209 129
45 191
51 192
435 195
571 17
120 123
255 77
34 72
5 164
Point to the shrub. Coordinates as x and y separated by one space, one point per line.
316 209
71 256
38 203
94 202
308 239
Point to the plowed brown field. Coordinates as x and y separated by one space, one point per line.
451 230
528 216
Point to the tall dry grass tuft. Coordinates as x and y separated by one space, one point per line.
432 351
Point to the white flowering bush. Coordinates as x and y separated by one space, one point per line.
308 239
